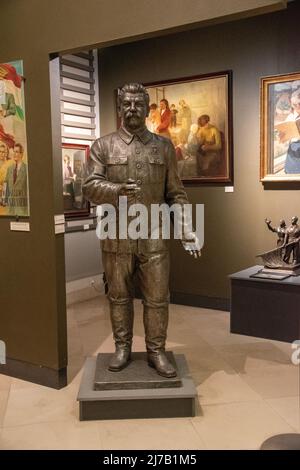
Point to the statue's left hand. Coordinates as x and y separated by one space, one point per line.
192 245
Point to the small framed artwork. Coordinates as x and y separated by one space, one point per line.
280 128
74 165
196 114
14 188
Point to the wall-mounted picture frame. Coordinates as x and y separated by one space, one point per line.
196 114
74 168
280 128
14 187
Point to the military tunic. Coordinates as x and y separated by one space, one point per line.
150 161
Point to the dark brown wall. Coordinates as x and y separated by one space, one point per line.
32 279
32 312
234 222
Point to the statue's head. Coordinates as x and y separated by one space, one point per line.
294 220
133 105
282 223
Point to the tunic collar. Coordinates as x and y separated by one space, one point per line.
144 135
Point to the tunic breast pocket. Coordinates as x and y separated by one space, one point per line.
117 169
157 169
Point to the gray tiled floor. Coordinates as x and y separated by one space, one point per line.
248 390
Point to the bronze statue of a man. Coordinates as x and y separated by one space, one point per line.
136 163
280 230
292 240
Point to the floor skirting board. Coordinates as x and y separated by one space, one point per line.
194 300
34 373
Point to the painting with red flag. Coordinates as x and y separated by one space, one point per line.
14 197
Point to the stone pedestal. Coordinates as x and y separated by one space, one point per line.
159 397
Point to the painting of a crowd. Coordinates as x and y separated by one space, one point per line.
194 115
13 148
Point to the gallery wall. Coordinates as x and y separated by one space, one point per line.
83 255
234 222
32 287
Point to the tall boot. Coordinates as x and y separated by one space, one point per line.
156 324
122 325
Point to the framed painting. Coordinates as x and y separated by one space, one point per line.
280 128
74 166
14 195
196 114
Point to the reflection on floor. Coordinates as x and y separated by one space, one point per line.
248 390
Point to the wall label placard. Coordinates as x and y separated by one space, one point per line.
59 228
2 352
229 189
59 219
20 226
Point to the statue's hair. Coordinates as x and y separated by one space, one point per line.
132 88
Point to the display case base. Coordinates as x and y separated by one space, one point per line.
139 403
265 308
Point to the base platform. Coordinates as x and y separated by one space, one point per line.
137 374
139 403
